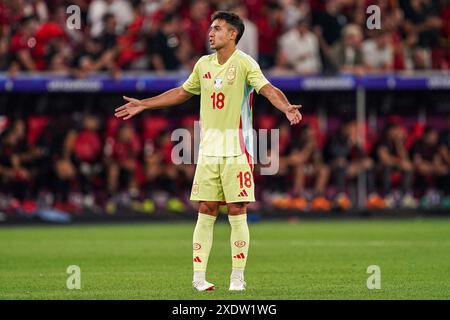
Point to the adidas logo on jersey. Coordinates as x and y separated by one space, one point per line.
197 259
243 193
239 256
207 75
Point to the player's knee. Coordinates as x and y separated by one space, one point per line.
237 208
210 208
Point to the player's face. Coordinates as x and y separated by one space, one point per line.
220 34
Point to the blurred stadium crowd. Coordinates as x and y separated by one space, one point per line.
285 36
96 163
82 162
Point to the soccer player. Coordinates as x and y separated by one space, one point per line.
225 81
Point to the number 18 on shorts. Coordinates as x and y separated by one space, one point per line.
225 179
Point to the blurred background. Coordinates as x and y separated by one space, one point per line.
376 105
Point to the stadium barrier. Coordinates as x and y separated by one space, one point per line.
152 83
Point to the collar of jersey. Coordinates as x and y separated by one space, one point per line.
216 61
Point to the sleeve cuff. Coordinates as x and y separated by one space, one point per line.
262 85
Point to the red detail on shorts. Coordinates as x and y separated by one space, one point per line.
243 147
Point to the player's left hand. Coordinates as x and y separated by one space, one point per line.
294 116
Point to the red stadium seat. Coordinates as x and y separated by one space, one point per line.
266 122
139 173
4 122
189 121
112 126
313 121
396 178
414 135
152 126
36 125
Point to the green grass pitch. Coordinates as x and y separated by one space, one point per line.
303 260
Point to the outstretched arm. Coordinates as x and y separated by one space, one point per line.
167 99
279 100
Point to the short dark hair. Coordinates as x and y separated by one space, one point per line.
26 19
232 19
107 16
169 18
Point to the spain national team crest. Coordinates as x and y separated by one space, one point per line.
195 189
218 83
231 74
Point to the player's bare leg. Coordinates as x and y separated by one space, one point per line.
239 240
202 242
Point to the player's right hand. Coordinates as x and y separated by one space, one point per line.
130 109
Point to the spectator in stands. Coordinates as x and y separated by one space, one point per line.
432 169
160 173
168 48
13 175
74 36
52 52
356 13
392 21
270 28
4 52
159 11
445 15
347 54
392 157
306 158
155 178
444 63
348 159
108 40
85 147
422 18
185 172
423 21
301 49
87 60
418 43
196 25
18 162
131 44
11 13
57 171
249 40
161 176
281 179
23 44
275 192
108 37
419 59
444 146
378 52
121 9
444 152
123 161
329 23
295 10
94 58
37 8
